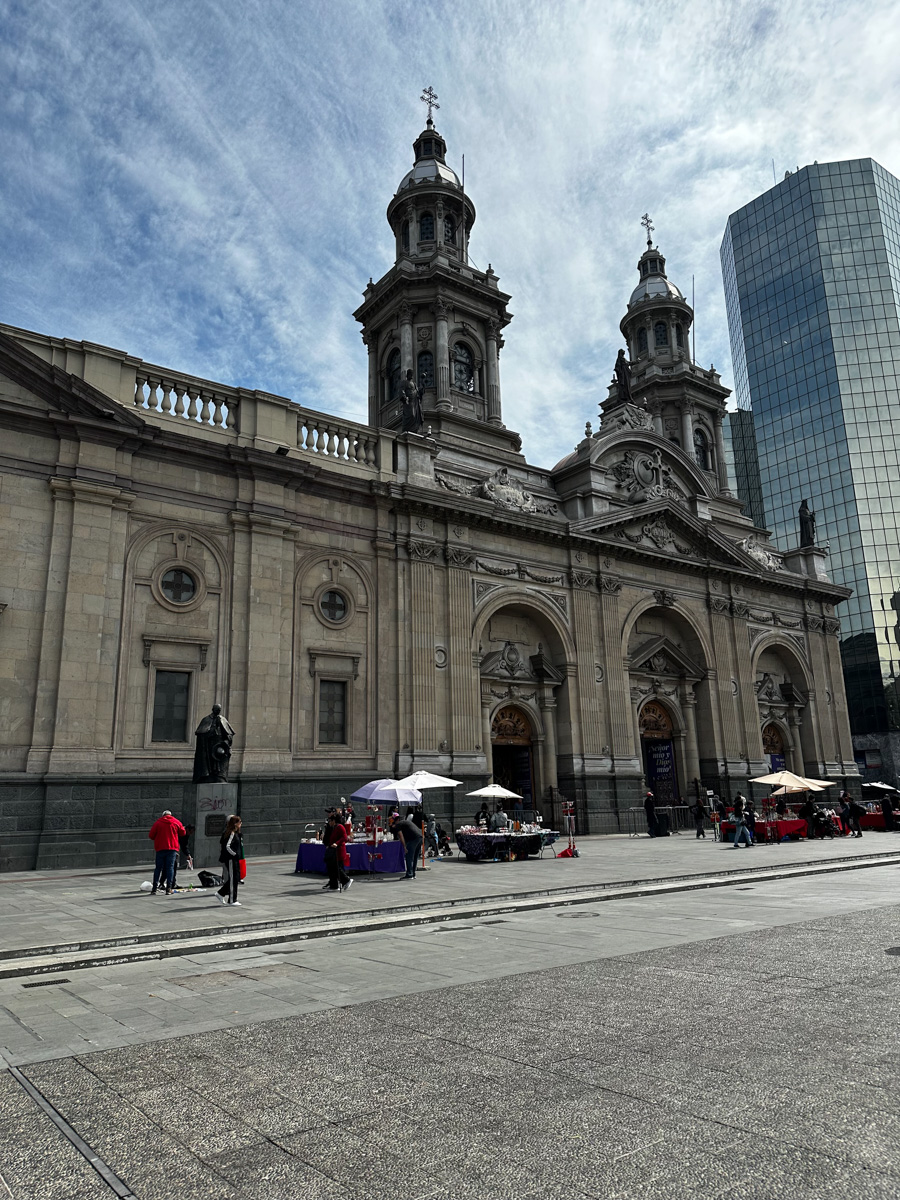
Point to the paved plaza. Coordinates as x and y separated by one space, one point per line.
730 1040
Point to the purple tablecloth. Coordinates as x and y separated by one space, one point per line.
387 857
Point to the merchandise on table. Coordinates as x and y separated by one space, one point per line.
384 858
528 840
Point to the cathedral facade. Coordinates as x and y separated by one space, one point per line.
369 599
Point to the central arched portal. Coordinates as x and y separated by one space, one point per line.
658 749
512 752
773 747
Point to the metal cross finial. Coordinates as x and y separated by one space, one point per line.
645 221
429 97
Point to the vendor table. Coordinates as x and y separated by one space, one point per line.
769 831
384 858
520 845
873 820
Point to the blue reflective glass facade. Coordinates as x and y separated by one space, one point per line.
812 288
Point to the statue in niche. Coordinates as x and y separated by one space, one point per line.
213 751
623 378
411 399
807 525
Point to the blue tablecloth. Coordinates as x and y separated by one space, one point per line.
386 858
485 845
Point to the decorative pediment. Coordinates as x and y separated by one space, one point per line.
661 657
61 392
668 528
508 663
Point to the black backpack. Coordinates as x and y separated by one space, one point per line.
208 880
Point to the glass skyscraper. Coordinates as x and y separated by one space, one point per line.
812 287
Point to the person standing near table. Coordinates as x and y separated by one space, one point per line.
230 856
483 816
335 841
887 809
499 820
411 837
650 810
698 812
857 812
164 835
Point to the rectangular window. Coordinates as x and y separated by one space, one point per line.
170 706
332 713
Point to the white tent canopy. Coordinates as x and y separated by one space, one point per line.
494 791
425 779
790 780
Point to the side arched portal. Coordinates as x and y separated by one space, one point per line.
661 766
512 750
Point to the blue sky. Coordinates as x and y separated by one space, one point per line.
202 183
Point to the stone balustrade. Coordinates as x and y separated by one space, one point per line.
328 436
207 403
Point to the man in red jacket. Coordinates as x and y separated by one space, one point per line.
164 835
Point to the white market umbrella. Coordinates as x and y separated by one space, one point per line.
494 791
789 779
388 791
880 787
425 779
783 791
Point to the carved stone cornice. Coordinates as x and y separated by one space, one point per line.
718 604
609 585
582 579
813 624
459 556
832 627
739 608
421 551
664 598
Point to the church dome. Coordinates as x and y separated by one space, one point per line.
431 163
429 169
653 283
653 287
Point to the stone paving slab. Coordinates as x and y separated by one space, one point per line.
47 910
617 1076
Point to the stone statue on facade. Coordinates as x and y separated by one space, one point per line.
411 399
807 525
623 378
213 751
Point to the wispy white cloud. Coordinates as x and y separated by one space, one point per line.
203 183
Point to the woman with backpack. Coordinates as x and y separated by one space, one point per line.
231 856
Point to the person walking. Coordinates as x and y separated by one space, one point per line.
698 812
741 832
411 837
164 835
650 810
230 856
336 857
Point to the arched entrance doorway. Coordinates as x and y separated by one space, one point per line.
658 750
511 749
773 747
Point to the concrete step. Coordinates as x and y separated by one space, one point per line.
42 960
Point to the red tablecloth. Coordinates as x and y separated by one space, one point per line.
872 820
769 831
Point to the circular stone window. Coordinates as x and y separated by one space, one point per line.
178 586
333 606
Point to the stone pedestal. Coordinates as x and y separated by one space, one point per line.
215 803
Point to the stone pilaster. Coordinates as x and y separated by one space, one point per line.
442 355
618 699
421 599
492 367
82 653
266 613
464 686
406 340
587 638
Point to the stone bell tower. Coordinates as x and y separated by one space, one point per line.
686 402
434 312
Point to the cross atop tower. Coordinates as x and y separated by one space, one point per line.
429 97
645 221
